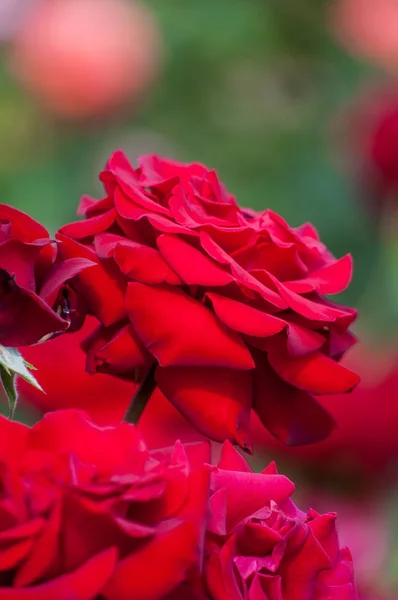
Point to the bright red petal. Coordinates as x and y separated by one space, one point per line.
332 279
315 373
192 265
178 330
216 401
245 319
89 227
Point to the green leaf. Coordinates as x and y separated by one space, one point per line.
7 378
12 364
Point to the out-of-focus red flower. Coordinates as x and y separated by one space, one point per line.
260 545
34 302
85 58
89 513
229 303
369 130
365 443
375 595
367 29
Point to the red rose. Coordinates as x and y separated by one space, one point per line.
31 281
227 302
260 546
89 513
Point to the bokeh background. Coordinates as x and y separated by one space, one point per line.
295 104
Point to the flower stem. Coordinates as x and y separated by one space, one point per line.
141 397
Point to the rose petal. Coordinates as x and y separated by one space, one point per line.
24 317
291 415
193 266
114 350
220 573
19 259
23 227
232 460
44 555
83 584
130 195
324 529
61 272
245 319
332 279
260 489
175 548
215 401
89 227
172 552
307 307
178 330
103 286
315 373
266 586
301 340
105 447
137 261
241 275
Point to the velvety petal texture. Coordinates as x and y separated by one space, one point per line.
33 281
222 298
89 513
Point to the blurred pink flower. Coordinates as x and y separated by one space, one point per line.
86 58
368 29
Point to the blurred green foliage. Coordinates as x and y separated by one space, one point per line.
249 87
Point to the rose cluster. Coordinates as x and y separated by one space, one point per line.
229 305
89 513
223 310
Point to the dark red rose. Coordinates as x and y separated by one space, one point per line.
88 513
32 282
229 303
260 546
